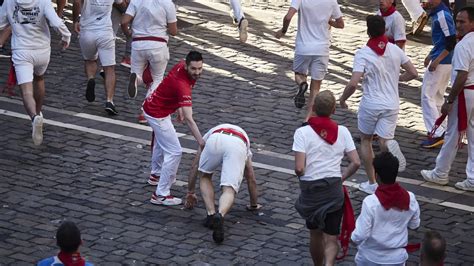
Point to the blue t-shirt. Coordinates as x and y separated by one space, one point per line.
442 26
54 261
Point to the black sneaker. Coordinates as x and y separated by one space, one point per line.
299 98
110 108
4 53
209 221
218 234
132 85
90 90
102 73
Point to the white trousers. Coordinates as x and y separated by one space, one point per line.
449 149
166 153
432 96
157 58
237 10
414 8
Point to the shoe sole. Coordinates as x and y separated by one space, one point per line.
428 179
394 148
422 25
90 90
434 145
132 86
142 122
153 183
218 234
37 135
463 188
243 31
159 202
5 56
299 98
125 65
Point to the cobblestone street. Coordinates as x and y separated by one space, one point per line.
92 168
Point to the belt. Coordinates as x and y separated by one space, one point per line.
149 38
232 132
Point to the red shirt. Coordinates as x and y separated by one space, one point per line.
172 93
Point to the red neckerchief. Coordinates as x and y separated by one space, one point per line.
378 44
347 226
393 196
71 259
325 128
389 11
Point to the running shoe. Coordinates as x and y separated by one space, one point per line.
367 187
299 98
465 185
394 148
431 143
209 221
126 62
110 108
430 176
132 86
153 179
218 234
90 90
243 26
165 200
37 129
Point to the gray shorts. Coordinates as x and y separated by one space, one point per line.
316 65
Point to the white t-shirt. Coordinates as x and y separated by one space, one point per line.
463 58
234 127
314 37
29 21
381 75
394 26
150 19
96 14
322 159
381 235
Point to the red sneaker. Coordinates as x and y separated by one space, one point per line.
126 62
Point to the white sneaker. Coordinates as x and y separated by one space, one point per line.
465 185
37 130
165 200
430 176
367 187
394 149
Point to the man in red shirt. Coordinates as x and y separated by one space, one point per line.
173 94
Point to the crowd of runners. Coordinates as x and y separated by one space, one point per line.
320 144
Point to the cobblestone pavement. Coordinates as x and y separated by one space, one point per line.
92 169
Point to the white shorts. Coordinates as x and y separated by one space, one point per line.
317 65
231 152
29 62
98 44
380 122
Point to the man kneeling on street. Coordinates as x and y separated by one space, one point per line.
227 145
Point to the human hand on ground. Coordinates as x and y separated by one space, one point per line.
343 104
279 34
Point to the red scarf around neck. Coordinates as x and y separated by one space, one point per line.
393 196
71 259
378 44
325 127
389 11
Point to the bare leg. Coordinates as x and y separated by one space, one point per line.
28 98
226 200
109 82
207 192
4 35
38 92
313 91
367 155
90 68
251 182
299 78
316 246
330 249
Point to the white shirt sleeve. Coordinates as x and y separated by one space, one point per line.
170 12
55 22
415 219
295 4
364 224
336 11
132 8
461 58
399 33
359 62
348 141
298 142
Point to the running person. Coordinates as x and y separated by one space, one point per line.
239 18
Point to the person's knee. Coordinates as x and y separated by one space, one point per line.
38 77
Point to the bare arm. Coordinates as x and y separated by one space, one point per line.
458 86
353 165
60 7
350 88
337 23
76 12
300 163
193 172
58 24
251 182
173 28
125 24
188 117
286 22
410 72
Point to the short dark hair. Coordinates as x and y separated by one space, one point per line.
375 25
193 56
470 12
386 167
68 237
324 103
433 248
